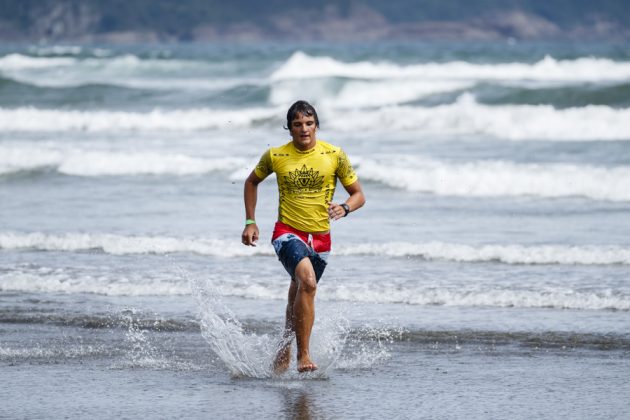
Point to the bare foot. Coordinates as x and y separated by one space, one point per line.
282 360
305 365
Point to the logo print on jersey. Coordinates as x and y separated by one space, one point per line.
304 180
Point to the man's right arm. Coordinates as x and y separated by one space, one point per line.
250 233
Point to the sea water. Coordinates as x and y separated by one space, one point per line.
488 275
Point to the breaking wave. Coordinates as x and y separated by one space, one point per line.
464 117
304 66
506 254
109 163
125 245
528 294
29 119
499 178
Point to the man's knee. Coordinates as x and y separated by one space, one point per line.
305 276
308 285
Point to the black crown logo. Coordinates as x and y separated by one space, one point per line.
304 179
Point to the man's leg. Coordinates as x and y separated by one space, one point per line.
283 356
304 312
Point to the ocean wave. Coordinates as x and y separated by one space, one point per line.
365 84
29 119
364 94
615 95
7 82
303 66
127 70
369 83
484 178
16 62
37 279
455 295
27 90
106 163
499 178
62 281
464 117
487 296
124 245
507 254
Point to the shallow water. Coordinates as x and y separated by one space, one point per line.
176 375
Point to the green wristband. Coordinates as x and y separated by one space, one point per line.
250 222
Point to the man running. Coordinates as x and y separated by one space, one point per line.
307 170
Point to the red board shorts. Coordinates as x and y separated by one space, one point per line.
293 245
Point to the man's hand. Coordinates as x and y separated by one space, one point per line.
250 235
335 211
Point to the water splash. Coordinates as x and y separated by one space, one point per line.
248 354
368 346
245 355
334 344
140 351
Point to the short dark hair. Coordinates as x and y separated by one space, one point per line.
304 108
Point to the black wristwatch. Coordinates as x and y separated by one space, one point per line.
346 208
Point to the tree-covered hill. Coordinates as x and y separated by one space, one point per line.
190 20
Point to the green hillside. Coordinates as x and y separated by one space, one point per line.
274 19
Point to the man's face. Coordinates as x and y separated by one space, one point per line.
303 130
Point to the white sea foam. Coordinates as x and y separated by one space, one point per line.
458 295
13 62
444 293
390 92
499 178
124 245
49 280
466 117
103 62
110 163
126 70
28 119
303 66
362 93
524 294
508 253
15 159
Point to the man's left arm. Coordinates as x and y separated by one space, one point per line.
354 202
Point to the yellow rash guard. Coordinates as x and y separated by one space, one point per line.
306 182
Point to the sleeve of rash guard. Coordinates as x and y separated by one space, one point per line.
264 167
345 172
